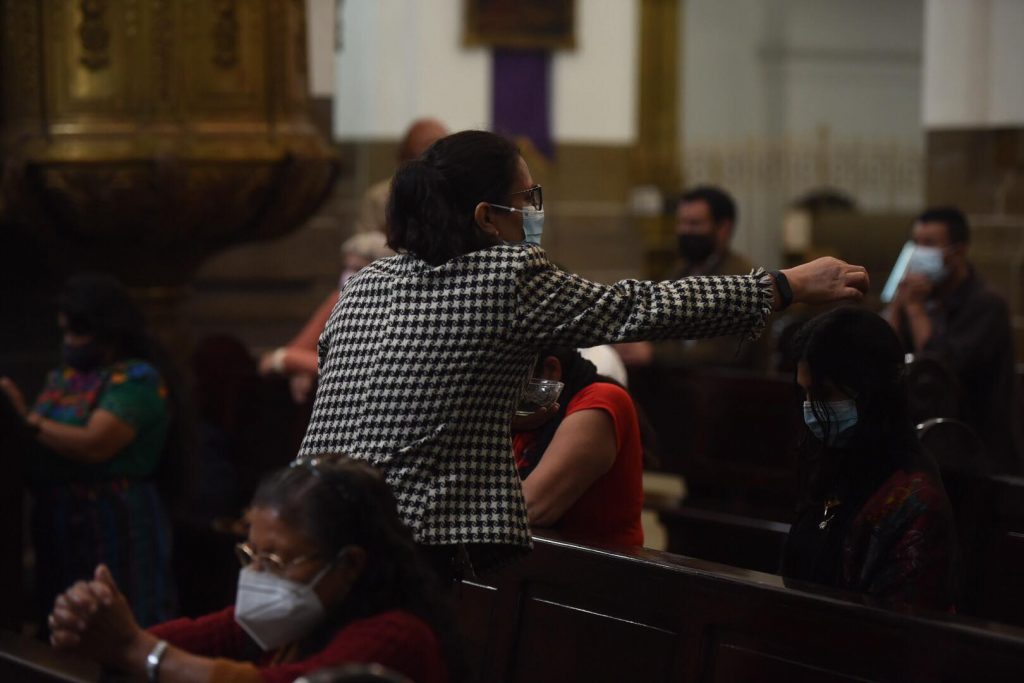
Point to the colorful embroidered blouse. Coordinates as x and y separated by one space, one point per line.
901 545
133 391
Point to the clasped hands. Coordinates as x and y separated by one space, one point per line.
94 617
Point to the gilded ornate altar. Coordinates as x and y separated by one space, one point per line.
140 136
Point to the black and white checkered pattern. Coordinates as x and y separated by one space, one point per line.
421 368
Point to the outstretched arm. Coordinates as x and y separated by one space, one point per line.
556 307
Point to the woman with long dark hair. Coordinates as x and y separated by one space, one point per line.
330 576
874 516
94 442
425 354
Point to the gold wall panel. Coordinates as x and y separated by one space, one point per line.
155 132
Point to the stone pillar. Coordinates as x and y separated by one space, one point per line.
974 104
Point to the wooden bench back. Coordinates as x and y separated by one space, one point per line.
571 613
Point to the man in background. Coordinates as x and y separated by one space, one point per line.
944 310
705 223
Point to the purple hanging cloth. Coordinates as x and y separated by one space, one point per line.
521 96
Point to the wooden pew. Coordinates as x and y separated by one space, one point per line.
28 660
994 588
573 613
990 529
735 540
730 434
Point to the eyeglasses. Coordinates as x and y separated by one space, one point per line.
272 561
534 196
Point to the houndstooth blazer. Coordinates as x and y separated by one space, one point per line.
421 368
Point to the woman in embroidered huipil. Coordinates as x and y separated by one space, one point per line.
875 517
425 354
93 441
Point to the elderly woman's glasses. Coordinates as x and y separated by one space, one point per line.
534 197
272 561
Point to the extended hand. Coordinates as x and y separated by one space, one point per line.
826 280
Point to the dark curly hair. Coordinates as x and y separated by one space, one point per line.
430 209
337 502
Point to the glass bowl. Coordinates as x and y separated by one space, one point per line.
538 393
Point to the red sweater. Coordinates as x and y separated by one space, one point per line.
397 640
608 511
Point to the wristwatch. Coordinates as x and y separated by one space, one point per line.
785 291
153 661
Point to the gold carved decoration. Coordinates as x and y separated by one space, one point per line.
162 159
21 45
225 35
163 46
94 34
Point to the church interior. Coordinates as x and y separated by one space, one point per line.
217 304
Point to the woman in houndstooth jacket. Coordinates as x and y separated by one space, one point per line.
425 354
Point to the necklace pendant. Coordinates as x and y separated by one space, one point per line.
826 518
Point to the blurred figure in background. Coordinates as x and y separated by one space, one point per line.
944 310
705 223
92 445
421 134
297 360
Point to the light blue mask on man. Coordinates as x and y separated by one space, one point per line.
928 261
842 421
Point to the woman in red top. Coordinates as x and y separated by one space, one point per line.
330 576
582 468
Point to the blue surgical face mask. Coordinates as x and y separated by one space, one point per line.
533 225
842 420
533 222
928 261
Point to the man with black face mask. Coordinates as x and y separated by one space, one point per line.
705 222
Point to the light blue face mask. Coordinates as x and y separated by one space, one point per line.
533 225
843 419
928 261
533 222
